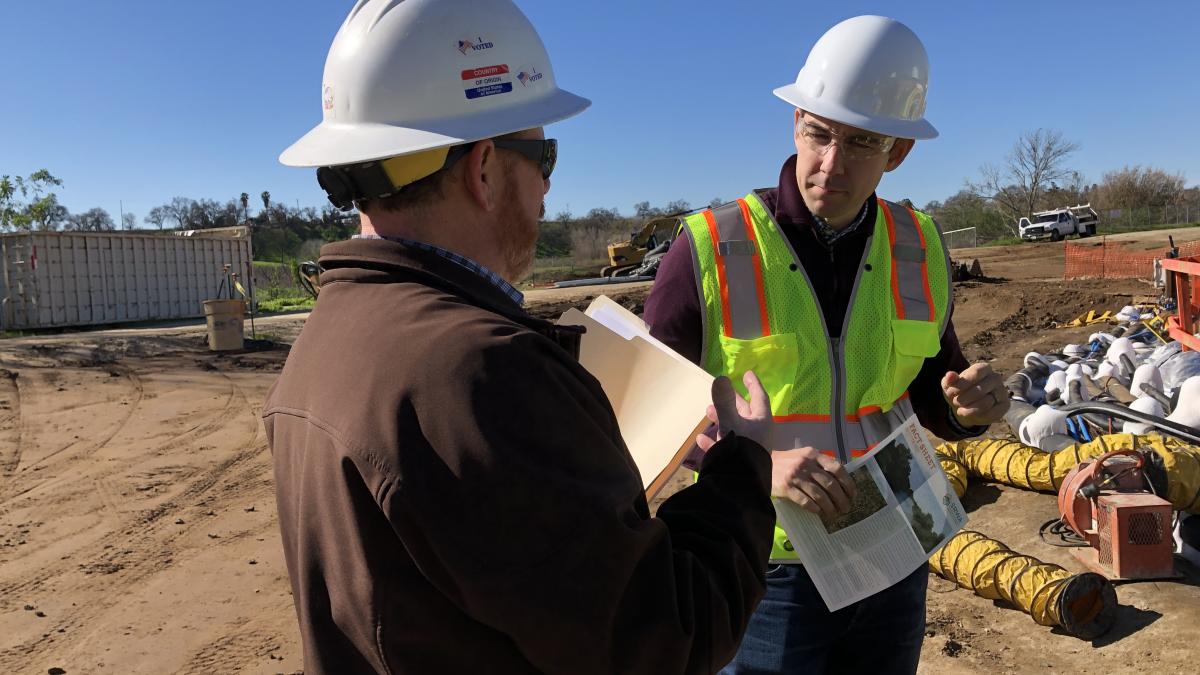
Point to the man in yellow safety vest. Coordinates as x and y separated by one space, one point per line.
841 302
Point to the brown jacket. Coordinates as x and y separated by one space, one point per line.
455 497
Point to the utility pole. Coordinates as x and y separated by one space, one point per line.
122 220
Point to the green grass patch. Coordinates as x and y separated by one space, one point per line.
1117 227
282 299
285 305
546 271
1004 241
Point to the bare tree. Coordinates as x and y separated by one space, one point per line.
180 210
157 216
1035 163
1140 187
643 211
678 206
92 220
588 233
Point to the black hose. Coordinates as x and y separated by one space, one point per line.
1019 384
1157 394
1189 434
1017 412
1127 363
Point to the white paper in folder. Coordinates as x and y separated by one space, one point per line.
659 396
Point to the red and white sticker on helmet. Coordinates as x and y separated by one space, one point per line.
487 81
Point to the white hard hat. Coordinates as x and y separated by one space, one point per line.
407 76
869 72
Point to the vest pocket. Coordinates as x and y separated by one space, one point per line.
773 358
913 341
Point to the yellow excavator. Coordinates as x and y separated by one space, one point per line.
639 255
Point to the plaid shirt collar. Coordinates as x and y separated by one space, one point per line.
829 234
492 278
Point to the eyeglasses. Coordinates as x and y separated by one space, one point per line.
855 148
543 152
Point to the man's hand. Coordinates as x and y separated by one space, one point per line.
730 412
977 396
816 482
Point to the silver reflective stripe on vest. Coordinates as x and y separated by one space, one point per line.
858 436
737 250
908 255
786 435
873 427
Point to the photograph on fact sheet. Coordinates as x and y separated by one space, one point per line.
867 501
901 467
928 518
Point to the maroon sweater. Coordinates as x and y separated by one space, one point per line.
673 309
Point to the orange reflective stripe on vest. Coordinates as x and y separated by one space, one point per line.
910 274
739 271
721 279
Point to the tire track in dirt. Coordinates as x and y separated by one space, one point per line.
211 424
7 489
232 653
155 541
11 432
138 392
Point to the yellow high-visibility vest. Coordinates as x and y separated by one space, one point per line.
839 395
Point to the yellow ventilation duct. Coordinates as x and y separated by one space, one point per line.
1084 605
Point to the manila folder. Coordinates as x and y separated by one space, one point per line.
659 397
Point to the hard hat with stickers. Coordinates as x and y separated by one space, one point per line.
412 79
869 72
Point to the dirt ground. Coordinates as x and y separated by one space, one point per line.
137 517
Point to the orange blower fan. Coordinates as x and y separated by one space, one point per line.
1110 502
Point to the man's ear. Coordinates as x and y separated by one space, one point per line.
899 151
481 175
799 114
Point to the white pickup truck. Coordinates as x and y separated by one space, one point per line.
1058 223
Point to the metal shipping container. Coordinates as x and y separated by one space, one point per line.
54 279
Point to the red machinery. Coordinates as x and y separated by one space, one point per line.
1110 503
1182 326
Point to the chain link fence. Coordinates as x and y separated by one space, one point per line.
967 237
1146 217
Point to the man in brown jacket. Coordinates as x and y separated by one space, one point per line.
454 494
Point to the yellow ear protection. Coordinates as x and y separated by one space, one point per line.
383 178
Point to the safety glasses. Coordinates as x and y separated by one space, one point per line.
857 147
543 152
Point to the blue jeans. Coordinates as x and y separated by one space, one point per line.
793 632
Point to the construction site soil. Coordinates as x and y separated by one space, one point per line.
137 513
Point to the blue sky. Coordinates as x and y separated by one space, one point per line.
139 101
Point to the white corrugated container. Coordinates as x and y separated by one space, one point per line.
52 279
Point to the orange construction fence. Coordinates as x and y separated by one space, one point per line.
1114 260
